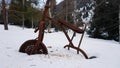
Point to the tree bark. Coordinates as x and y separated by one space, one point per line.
4 15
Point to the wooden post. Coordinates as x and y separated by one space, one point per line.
4 15
23 17
66 5
119 23
50 14
32 21
23 21
74 13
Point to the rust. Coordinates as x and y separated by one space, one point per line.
28 45
71 26
62 24
38 47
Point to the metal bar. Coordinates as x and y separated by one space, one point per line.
82 36
71 44
41 28
61 26
70 26
71 39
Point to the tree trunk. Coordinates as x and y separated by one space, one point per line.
23 24
4 15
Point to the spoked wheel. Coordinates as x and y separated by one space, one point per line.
28 45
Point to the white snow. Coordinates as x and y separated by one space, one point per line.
107 51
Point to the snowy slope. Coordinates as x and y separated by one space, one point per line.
107 51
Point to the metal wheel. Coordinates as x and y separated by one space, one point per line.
28 45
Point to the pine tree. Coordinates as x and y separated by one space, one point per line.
24 7
105 21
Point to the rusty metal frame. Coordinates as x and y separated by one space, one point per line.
60 24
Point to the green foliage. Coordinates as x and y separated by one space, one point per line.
26 8
105 23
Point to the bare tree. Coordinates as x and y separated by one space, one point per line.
51 12
4 15
119 23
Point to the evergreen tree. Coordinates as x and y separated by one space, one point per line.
105 21
26 8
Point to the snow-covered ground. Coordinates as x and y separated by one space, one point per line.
107 51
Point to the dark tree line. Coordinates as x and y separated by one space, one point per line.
105 23
24 13
19 8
